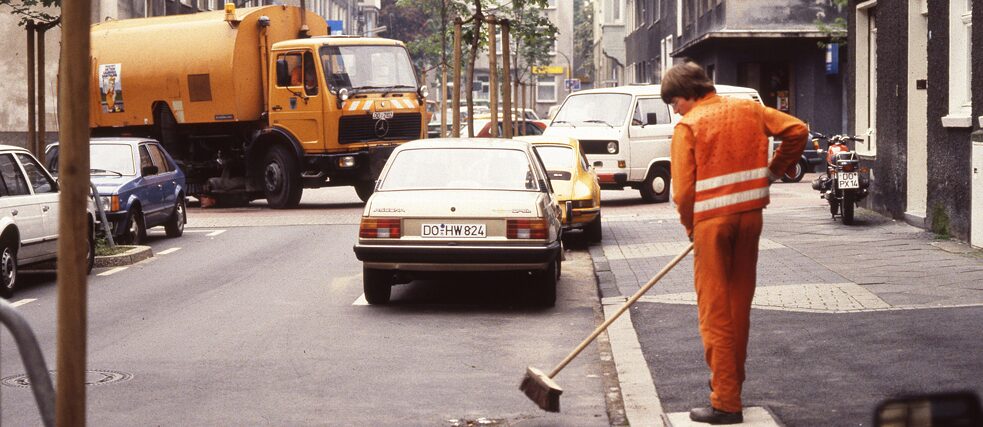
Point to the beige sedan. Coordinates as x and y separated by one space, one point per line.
461 205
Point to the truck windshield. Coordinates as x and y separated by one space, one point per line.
366 68
596 109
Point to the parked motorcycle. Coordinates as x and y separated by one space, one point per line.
844 184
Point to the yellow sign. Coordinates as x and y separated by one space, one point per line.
551 70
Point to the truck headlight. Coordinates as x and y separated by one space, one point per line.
612 147
346 162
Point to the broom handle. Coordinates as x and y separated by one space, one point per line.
616 315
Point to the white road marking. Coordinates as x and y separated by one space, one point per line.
113 271
168 251
23 301
361 300
211 232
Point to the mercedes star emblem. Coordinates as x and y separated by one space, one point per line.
381 128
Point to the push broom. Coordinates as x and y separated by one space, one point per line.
542 389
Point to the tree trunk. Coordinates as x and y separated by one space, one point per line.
479 19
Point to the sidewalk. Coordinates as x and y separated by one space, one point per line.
843 317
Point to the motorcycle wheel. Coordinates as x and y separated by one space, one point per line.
834 204
848 204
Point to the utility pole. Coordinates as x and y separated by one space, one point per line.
506 82
73 229
492 75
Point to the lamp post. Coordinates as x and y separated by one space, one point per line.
569 67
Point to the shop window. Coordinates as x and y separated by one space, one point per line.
960 67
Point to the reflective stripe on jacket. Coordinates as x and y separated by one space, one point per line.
720 162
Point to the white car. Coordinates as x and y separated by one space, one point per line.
28 216
461 205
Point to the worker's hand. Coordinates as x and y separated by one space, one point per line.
690 235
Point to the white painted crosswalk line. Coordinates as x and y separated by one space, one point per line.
23 301
111 272
361 300
168 251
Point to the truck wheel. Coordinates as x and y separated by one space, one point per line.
795 173
364 189
8 268
281 178
655 189
175 225
377 285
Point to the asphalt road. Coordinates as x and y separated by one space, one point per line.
253 318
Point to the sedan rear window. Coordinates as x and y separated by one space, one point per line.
460 168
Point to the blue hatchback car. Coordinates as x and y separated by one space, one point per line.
139 184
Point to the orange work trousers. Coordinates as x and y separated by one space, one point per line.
725 264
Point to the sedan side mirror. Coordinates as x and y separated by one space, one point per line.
150 170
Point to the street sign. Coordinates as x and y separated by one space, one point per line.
832 59
552 70
572 84
336 27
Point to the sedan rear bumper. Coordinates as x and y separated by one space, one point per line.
457 258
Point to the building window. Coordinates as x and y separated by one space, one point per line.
551 4
960 67
616 10
481 88
639 12
865 98
546 89
656 10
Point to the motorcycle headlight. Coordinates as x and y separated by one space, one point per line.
612 147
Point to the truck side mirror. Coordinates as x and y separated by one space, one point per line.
282 74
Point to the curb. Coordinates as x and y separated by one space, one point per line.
132 256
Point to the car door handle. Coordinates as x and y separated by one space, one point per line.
277 108
44 208
160 185
13 212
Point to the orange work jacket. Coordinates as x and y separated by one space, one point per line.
720 162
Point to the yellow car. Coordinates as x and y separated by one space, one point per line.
574 182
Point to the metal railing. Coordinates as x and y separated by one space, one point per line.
30 354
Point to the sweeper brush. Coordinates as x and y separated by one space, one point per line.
541 388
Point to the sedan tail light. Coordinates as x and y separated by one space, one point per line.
526 229
384 228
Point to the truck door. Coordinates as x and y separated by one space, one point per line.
295 100
649 135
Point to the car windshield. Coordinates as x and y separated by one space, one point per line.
460 168
595 109
368 68
107 159
556 157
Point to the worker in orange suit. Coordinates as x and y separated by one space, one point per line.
720 179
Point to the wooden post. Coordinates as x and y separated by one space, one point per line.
492 75
506 82
42 107
32 137
456 100
75 70
443 68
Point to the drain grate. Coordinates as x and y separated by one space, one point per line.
93 378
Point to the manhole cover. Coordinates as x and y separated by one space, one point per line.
98 377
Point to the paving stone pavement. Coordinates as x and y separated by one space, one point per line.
807 262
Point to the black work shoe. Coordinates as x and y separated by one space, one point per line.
711 415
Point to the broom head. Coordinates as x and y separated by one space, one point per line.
541 389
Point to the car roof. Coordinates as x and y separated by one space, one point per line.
465 143
117 140
4 147
654 89
554 139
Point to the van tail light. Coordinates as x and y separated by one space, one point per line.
526 229
380 228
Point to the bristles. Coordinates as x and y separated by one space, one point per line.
541 389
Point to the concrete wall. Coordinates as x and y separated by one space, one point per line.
13 89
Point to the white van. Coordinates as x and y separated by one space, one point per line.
625 132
